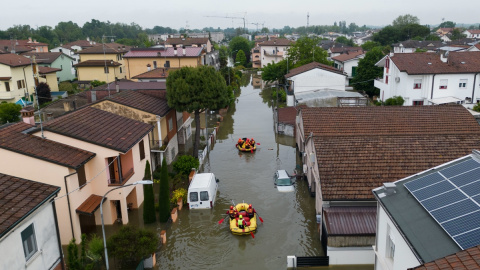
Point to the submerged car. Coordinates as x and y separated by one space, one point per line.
283 181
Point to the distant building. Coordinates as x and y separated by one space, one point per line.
274 50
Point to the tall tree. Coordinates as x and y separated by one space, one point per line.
367 72
240 59
404 20
346 41
164 194
447 24
43 92
237 44
223 55
194 90
305 50
456 34
149 215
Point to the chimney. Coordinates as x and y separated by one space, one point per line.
88 39
389 188
183 51
28 115
29 40
175 51
444 57
149 67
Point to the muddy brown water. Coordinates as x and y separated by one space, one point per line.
197 241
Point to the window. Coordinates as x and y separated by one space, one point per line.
7 86
170 124
417 84
82 179
386 79
194 196
167 64
390 250
203 196
106 70
60 50
354 71
141 146
443 84
29 242
121 71
417 103
462 83
19 84
155 64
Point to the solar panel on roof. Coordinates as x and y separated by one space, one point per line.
452 198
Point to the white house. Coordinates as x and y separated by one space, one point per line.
472 33
29 236
348 62
430 78
72 48
428 216
313 77
274 50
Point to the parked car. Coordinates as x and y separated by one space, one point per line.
283 181
202 191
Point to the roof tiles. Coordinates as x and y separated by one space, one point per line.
310 66
161 52
466 259
348 220
13 60
430 63
141 102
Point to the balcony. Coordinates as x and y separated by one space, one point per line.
274 53
118 181
380 84
155 145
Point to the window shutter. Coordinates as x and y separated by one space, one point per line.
142 150
82 179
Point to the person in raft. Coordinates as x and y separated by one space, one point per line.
247 144
252 142
240 142
241 221
232 212
250 211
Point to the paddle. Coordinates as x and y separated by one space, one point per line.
253 236
221 220
259 217
258 143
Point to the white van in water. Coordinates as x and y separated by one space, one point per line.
202 191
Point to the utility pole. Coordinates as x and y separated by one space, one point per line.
105 59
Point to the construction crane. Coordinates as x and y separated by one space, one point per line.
257 24
230 17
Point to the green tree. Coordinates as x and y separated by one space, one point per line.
405 20
447 24
237 44
264 30
305 50
164 194
367 72
73 262
394 101
275 72
43 92
9 112
130 245
457 34
241 59
149 215
367 46
194 90
346 41
223 56
433 37
185 164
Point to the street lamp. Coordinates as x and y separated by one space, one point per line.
141 182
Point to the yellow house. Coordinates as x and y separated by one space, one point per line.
87 153
141 60
103 62
153 111
48 75
16 78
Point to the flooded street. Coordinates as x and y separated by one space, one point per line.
197 241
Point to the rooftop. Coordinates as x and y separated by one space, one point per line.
350 220
108 48
164 52
13 60
141 102
97 63
310 66
466 259
45 57
101 128
277 42
19 198
348 56
186 41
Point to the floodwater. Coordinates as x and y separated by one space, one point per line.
197 241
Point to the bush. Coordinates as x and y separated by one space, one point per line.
394 101
185 163
476 107
96 83
179 193
131 244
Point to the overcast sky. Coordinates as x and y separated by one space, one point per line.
275 14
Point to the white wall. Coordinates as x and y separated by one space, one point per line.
318 79
350 255
403 258
11 247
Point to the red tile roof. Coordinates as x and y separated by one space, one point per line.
97 63
130 85
350 220
109 48
90 205
277 42
13 60
430 63
47 70
465 259
287 115
310 66
360 148
19 197
101 128
187 41
388 120
81 43
348 56
160 52
14 138
141 102
158 73
345 49
474 31
45 57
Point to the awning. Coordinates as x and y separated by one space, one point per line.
350 220
446 100
90 205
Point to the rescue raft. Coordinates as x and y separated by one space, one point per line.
246 145
251 223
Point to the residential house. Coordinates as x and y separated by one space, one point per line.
472 33
424 218
463 259
141 60
444 31
153 111
313 77
154 75
349 151
29 237
474 48
48 75
284 119
72 48
20 46
430 79
216 37
16 78
51 163
102 63
155 89
180 43
336 51
411 46
255 57
274 50
57 60
348 62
